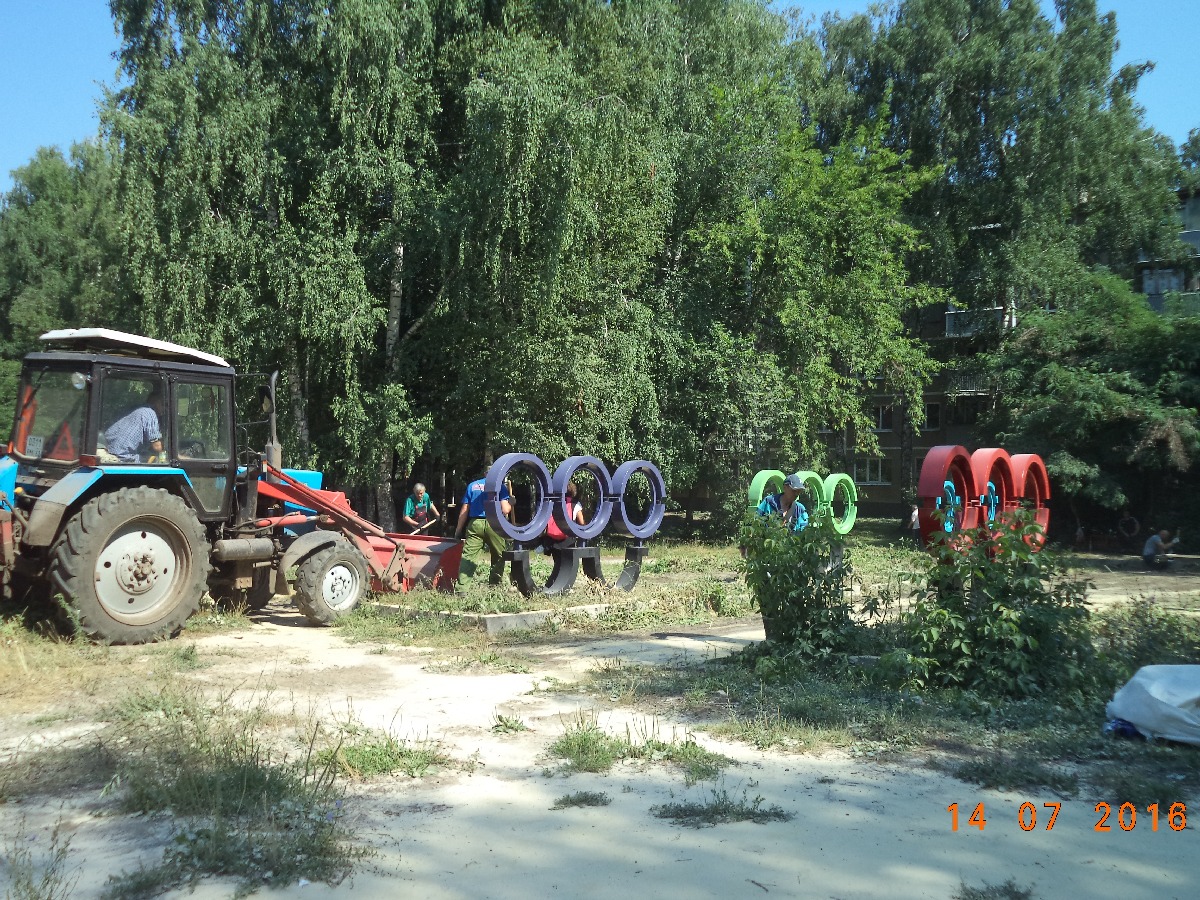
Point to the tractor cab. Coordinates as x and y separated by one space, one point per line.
122 407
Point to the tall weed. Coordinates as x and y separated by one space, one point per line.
1142 633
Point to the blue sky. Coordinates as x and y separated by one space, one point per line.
56 54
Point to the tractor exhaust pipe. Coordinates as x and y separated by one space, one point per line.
273 451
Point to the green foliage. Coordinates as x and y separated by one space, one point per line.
59 247
582 798
588 748
1009 890
580 228
374 753
1189 158
1002 99
242 807
1011 772
508 724
60 254
997 617
1142 633
798 581
31 878
1104 388
720 809
684 232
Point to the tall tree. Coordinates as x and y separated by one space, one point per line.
60 253
464 228
1106 390
59 250
265 184
1048 167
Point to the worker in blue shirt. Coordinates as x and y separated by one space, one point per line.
472 521
786 504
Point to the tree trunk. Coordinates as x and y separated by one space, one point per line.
908 457
385 503
299 410
395 311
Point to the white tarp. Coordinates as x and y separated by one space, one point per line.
1161 702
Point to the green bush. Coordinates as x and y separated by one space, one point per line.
996 617
1141 633
797 581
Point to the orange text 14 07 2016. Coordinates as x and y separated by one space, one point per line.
1108 816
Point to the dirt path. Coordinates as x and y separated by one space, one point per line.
485 828
1119 578
860 830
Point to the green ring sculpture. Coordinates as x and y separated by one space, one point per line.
823 490
763 481
846 483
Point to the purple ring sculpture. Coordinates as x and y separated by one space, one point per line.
658 497
551 502
563 476
496 476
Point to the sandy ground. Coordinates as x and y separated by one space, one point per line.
860 829
1118 578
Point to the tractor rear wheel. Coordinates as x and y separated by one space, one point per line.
331 582
131 565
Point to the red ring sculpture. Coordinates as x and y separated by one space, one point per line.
1033 483
960 491
995 491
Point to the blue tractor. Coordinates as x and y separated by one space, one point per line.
122 495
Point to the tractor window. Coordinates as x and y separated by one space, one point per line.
131 408
50 411
202 421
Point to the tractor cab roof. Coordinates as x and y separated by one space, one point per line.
106 340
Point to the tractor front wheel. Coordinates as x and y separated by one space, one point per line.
131 565
331 582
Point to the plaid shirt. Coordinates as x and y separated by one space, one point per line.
130 432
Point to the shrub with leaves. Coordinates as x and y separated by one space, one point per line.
797 581
997 617
1142 633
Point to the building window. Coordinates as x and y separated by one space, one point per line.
1161 281
964 411
872 470
881 417
933 417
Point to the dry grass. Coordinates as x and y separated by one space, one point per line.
39 673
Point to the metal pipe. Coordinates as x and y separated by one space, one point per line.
239 549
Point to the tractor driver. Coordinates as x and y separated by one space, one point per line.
126 436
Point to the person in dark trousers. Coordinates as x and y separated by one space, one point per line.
912 525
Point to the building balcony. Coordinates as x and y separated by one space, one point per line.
960 384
